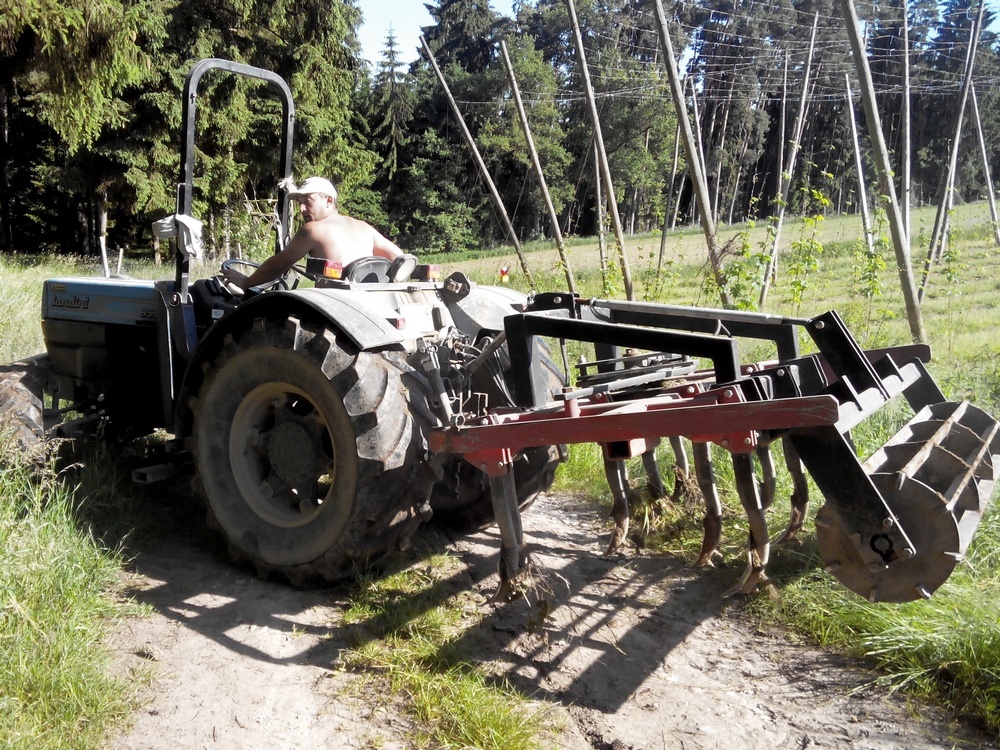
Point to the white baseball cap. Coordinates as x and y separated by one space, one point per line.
319 185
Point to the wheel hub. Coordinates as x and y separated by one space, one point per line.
292 452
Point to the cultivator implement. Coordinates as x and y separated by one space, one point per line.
893 527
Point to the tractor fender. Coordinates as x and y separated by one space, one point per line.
352 315
485 307
357 315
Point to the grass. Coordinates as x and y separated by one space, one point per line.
407 635
57 688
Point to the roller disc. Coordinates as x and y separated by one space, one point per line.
930 526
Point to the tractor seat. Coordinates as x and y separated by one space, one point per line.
369 270
379 270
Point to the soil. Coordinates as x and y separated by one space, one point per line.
637 652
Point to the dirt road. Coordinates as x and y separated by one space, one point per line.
639 652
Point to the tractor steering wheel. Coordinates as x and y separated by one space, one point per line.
278 283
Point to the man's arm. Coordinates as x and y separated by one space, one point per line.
276 265
383 246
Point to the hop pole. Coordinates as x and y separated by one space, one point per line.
480 163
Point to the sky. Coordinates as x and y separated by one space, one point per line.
406 18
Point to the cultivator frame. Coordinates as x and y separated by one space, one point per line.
892 529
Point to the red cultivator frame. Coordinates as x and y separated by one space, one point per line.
892 529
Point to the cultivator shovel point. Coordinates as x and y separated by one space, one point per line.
893 528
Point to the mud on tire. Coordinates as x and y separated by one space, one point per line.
307 454
21 407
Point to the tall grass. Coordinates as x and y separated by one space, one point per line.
57 688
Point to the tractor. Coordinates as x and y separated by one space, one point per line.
304 412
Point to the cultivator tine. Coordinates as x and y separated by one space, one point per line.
769 482
680 455
617 476
759 542
800 493
654 481
513 565
702 453
935 478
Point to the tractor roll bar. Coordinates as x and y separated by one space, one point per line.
185 187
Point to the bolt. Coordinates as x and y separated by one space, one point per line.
728 393
820 325
725 442
557 300
746 441
887 523
781 372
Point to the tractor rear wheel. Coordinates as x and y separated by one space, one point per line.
462 497
21 408
307 452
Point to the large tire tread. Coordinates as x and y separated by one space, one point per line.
392 489
21 403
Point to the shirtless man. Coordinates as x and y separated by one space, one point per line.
326 234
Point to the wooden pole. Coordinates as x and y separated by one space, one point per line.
720 149
480 163
938 237
866 221
609 188
785 182
782 126
667 224
537 166
900 240
602 242
986 166
695 165
699 135
905 153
